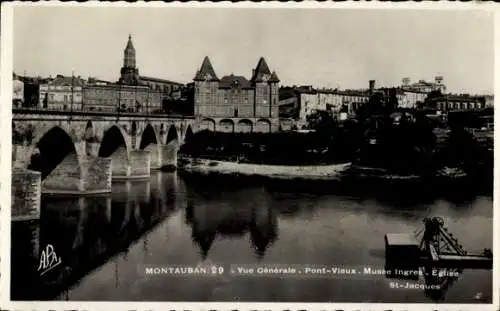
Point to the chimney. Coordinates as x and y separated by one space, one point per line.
371 86
253 72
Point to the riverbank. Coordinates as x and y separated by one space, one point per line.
344 177
309 172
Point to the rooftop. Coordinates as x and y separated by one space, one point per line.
234 81
61 80
152 79
206 72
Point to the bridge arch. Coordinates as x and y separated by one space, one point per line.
150 141
89 137
245 126
172 134
263 126
55 156
188 135
114 145
207 124
226 125
89 131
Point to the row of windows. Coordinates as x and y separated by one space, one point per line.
130 94
65 88
121 101
162 88
245 102
449 105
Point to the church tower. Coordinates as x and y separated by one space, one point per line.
129 74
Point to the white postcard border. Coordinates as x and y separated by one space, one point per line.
6 66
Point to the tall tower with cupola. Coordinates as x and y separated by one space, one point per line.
206 86
266 94
129 74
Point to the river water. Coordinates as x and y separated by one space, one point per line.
106 242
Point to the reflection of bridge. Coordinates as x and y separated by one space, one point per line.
86 232
81 152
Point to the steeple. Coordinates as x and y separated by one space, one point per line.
129 54
129 74
206 72
261 72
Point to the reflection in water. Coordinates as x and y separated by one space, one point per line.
105 240
207 221
85 232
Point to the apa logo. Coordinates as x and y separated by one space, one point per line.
48 260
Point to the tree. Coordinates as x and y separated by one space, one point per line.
431 97
374 106
393 103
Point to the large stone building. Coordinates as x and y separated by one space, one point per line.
132 92
62 93
423 86
307 100
121 98
233 103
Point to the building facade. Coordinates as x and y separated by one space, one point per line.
412 98
458 102
131 93
423 86
61 93
234 97
489 100
312 100
121 98
168 89
17 92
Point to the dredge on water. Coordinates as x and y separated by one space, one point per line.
437 248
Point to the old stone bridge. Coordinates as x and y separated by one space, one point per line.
81 152
78 153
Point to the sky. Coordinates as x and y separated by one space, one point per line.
337 48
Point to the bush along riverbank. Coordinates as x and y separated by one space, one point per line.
384 147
